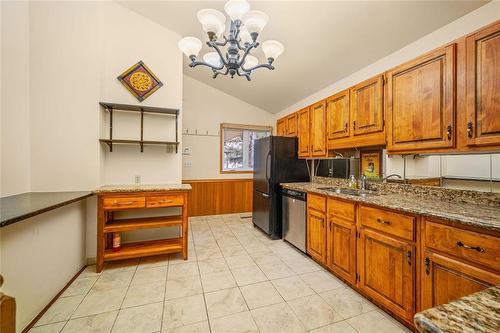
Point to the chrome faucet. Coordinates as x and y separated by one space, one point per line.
362 181
384 180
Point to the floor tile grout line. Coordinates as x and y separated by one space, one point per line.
125 295
165 293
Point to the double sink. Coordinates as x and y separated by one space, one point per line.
349 191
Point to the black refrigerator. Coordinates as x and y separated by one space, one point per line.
275 162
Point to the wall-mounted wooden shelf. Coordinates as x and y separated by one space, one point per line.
112 107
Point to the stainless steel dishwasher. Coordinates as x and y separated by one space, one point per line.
294 218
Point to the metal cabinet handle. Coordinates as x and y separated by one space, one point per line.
408 256
1 280
330 226
346 126
469 129
383 221
427 266
123 203
468 247
448 131
165 201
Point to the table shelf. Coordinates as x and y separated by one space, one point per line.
142 223
145 248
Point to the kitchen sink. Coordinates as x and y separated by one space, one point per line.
349 191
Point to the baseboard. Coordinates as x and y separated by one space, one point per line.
37 318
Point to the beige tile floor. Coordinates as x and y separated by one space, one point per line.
236 280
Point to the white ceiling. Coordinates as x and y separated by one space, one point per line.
325 41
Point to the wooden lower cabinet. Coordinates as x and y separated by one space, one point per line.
386 268
316 235
341 248
444 279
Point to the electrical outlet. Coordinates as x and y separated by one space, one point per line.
188 164
170 149
137 179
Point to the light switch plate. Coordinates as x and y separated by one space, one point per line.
186 151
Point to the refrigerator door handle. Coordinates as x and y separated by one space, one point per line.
267 160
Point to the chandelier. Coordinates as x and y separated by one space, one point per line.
245 27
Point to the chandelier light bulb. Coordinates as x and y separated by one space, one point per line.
245 36
272 49
190 46
250 61
212 58
255 21
236 9
211 20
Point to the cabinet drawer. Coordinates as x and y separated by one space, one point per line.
317 202
469 245
341 209
396 224
164 201
123 202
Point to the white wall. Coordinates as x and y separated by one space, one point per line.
124 45
69 55
15 119
205 108
40 255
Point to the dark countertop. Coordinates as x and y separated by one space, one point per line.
19 207
482 216
479 312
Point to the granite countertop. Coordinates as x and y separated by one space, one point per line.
19 207
479 312
466 213
142 188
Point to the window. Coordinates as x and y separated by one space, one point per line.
237 146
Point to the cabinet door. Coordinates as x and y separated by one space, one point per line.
444 279
337 115
386 268
367 105
291 125
483 87
316 235
341 248
303 127
281 127
420 102
318 129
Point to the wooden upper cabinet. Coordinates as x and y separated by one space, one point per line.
420 103
318 129
386 269
483 87
291 125
281 127
337 115
303 132
367 106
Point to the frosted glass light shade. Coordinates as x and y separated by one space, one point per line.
245 36
272 49
221 31
236 9
250 61
212 20
212 58
190 46
255 21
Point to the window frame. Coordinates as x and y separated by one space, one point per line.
221 138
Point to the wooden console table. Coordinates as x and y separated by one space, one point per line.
111 199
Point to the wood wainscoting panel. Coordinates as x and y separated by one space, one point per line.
219 196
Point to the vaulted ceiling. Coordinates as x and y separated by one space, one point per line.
325 41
